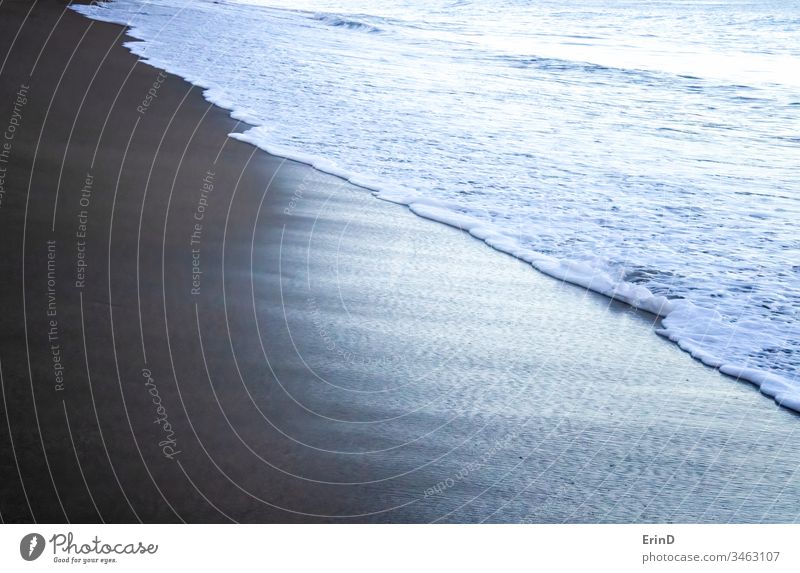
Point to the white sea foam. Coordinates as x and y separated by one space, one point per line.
625 153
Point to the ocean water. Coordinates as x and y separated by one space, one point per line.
649 151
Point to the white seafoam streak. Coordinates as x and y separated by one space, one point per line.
646 153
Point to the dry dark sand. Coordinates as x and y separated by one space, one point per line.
341 359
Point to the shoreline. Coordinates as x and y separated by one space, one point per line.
315 359
679 318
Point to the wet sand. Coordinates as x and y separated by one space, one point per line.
194 330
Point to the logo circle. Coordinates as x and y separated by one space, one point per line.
31 546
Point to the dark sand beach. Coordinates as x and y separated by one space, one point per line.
194 330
